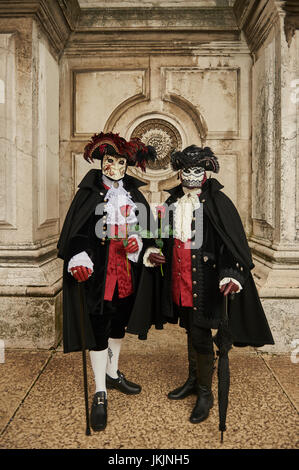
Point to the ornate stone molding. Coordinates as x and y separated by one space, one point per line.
56 17
291 7
256 19
155 43
170 18
163 136
152 29
29 252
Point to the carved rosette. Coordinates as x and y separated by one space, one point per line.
163 136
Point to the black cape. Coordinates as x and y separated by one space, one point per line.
247 320
92 192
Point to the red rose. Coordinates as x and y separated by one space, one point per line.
161 211
125 210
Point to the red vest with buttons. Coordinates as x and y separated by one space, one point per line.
181 274
118 270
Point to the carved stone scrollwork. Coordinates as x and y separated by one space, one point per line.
163 136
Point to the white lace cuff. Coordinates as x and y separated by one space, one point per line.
226 280
146 260
81 259
134 256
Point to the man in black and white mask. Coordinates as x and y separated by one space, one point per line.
207 257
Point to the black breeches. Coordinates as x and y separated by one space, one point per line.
112 323
201 338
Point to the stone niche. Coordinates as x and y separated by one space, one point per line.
174 102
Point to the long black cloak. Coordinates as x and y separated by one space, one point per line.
75 237
226 247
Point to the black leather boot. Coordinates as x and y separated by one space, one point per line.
190 386
205 399
122 384
98 414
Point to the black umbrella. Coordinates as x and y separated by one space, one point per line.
223 341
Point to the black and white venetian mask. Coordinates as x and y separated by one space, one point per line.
193 177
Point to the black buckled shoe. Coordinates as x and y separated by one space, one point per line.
122 384
203 405
189 388
98 414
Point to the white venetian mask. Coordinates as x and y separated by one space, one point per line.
114 167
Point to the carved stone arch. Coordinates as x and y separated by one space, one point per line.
168 124
165 133
191 110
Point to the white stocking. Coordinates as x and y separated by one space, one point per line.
114 345
99 363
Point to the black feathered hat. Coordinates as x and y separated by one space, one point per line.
135 151
194 156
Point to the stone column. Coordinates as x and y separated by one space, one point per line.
30 273
274 239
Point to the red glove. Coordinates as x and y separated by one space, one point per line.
132 245
229 288
156 258
81 273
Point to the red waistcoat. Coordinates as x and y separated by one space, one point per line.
118 269
181 274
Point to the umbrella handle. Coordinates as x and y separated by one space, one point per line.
225 310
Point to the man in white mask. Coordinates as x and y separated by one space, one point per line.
99 251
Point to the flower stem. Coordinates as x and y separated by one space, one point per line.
161 264
127 265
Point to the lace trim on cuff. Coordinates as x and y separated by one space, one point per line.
81 259
146 260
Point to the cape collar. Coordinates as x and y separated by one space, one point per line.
93 180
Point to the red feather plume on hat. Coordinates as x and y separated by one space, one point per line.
136 152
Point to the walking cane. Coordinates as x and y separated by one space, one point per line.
82 329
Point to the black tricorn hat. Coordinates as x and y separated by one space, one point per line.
136 152
194 156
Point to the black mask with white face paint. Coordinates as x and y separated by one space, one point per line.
193 177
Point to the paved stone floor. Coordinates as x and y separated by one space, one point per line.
42 404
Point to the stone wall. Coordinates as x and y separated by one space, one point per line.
218 73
